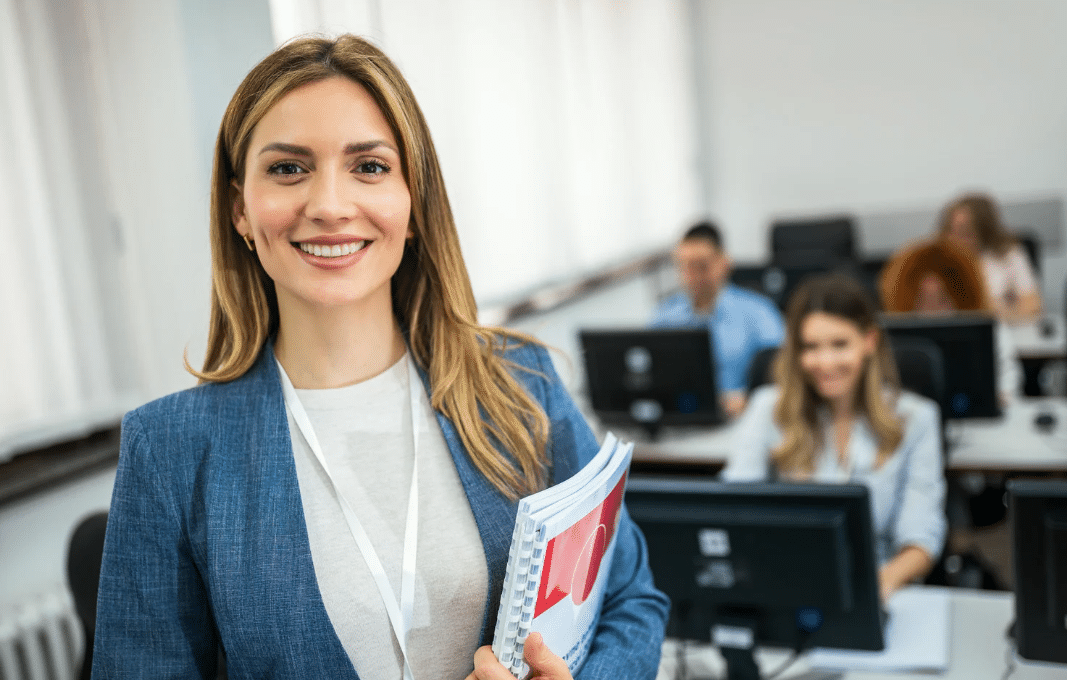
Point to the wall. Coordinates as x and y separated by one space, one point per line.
879 107
35 530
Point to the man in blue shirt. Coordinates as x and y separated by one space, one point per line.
741 322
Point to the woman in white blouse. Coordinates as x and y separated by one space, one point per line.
836 414
973 221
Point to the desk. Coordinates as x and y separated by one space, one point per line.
1033 342
1011 443
684 451
978 648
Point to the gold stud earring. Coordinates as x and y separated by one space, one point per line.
249 242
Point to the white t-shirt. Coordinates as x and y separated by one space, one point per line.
366 437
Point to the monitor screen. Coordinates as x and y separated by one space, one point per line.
968 350
651 377
793 564
1038 512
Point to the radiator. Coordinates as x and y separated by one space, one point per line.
41 638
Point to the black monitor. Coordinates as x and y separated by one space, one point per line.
651 377
1038 512
774 563
968 352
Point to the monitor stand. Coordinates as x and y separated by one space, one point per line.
736 642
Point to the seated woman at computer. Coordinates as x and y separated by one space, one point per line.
836 414
740 322
943 277
973 221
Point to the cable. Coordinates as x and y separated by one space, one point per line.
785 665
1009 658
681 670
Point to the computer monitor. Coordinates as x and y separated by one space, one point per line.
1038 512
773 563
651 377
968 351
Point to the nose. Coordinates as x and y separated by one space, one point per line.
330 199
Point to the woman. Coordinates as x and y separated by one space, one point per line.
836 414
942 277
336 498
973 221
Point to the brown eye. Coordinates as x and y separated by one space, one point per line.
285 168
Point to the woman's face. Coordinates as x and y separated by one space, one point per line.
833 352
324 198
961 229
933 297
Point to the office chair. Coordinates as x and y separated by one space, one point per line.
84 553
1030 243
759 369
921 368
795 241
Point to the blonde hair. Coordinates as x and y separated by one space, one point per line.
796 412
433 301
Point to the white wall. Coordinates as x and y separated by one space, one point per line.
35 531
879 106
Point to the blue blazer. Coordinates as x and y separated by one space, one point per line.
207 545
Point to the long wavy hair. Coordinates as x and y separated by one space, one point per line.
993 236
955 266
798 407
471 383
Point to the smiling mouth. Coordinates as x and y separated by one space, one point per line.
334 250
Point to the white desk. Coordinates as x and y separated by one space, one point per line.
685 449
1034 341
1010 443
978 649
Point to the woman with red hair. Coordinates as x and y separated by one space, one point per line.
944 277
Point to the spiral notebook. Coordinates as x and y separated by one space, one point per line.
561 552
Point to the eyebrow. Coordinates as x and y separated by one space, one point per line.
297 150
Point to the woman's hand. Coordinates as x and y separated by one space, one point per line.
544 665
910 564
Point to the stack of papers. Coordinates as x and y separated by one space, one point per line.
916 637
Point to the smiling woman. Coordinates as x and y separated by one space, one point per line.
270 513
837 414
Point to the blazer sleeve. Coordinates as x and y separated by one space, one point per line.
153 617
921 520
633 616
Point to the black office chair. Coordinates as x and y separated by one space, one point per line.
793 241
1032 245
84 554
921 367
759 369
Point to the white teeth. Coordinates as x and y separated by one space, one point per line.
332 251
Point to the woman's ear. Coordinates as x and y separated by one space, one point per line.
237 209
870 341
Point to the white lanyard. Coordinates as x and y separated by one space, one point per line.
400 616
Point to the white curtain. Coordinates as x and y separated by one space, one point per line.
565 129
56 379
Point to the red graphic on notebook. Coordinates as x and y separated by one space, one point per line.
572 558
